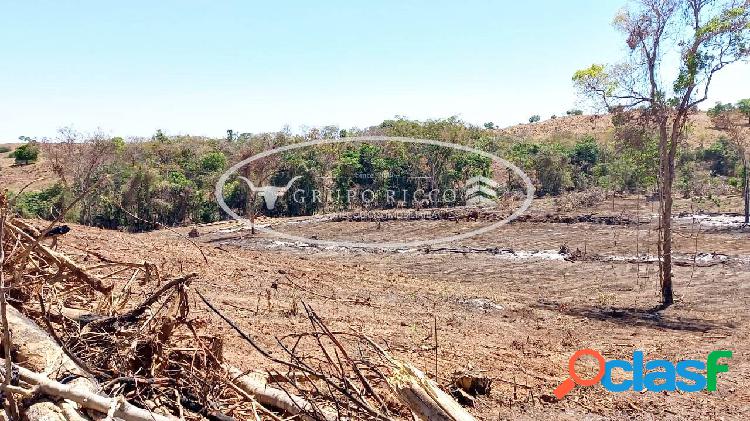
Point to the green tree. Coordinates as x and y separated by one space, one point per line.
534 118
27 153
553 172
709 35
585 154
743 106
160 137
719 108
119 144
722 157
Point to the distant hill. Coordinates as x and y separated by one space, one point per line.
702 131
14 177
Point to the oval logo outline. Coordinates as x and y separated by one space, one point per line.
219 192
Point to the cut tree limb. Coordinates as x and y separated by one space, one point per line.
425 399
64 261
87 399
133 314
37 350
273 397
41 353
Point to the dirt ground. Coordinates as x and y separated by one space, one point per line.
515 317
702 132
14 177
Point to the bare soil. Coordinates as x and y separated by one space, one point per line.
15 177
702 130
515 318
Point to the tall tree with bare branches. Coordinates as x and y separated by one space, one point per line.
697 39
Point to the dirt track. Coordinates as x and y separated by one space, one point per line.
515 319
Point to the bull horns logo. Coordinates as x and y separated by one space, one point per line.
270 193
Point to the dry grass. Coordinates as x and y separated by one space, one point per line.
702 130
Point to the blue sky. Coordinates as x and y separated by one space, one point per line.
201 67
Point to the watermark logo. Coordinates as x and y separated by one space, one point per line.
653 375
480 191
270 193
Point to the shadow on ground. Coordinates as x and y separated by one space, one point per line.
631 316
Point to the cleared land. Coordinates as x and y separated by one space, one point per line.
513 316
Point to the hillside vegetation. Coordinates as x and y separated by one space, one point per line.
141 184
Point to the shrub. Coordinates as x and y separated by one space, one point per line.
25 154
4 149
575 200
534 118
722 157
627 168
553 172
213 162
574 111
585 154
719 108
743 106
46 204
522 153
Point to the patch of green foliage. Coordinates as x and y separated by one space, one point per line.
719 108
26 154
45 204
722 157
743 106
170 180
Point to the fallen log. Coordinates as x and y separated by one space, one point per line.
38 350
89 400
41 353
423 397
273 397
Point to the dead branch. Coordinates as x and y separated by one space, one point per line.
275 398
133 314
87 399
4 309
62 260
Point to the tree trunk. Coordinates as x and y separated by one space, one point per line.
745 189
667 296
423 397
666 177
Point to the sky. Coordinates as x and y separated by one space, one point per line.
202 67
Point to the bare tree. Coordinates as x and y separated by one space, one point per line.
731 122
709 35
78 161
261 170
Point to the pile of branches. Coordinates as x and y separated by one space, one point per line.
79 343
